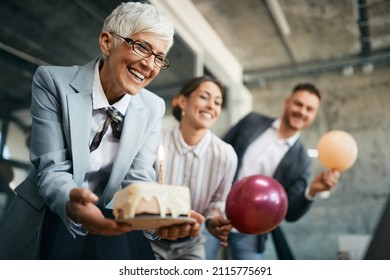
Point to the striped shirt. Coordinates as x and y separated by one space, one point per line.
207 169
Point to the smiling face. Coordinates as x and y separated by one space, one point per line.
300 110
123 70
202 107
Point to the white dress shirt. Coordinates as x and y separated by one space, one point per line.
101 159
264 154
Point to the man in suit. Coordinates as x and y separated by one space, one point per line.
272 147
95 130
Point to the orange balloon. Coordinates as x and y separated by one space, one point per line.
337 150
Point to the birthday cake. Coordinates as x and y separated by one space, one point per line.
151 199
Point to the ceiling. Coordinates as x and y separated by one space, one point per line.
322 35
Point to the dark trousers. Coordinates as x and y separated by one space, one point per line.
57 243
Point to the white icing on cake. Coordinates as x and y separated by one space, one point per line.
152 198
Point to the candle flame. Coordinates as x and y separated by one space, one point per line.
161 153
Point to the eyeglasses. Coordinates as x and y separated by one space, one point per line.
144 50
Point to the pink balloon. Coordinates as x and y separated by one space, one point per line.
256 204
337 150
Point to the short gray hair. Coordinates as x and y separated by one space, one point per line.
134 17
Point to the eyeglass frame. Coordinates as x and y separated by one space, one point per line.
146 46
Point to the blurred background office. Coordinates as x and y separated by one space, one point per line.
259 49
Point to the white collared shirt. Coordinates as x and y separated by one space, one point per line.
264 154
101 159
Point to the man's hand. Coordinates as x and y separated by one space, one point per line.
325 181
180 231
220 228
81 209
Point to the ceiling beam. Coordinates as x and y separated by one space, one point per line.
316 67
279 17
90 11
22 55
281 25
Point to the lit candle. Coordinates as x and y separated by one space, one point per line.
161 159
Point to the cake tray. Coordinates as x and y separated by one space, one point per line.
152 222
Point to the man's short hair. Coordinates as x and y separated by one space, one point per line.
307 87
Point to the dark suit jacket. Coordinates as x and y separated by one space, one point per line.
292 173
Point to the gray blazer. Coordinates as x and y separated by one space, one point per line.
61 111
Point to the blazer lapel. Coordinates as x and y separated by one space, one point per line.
80 115
294 163
259 127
